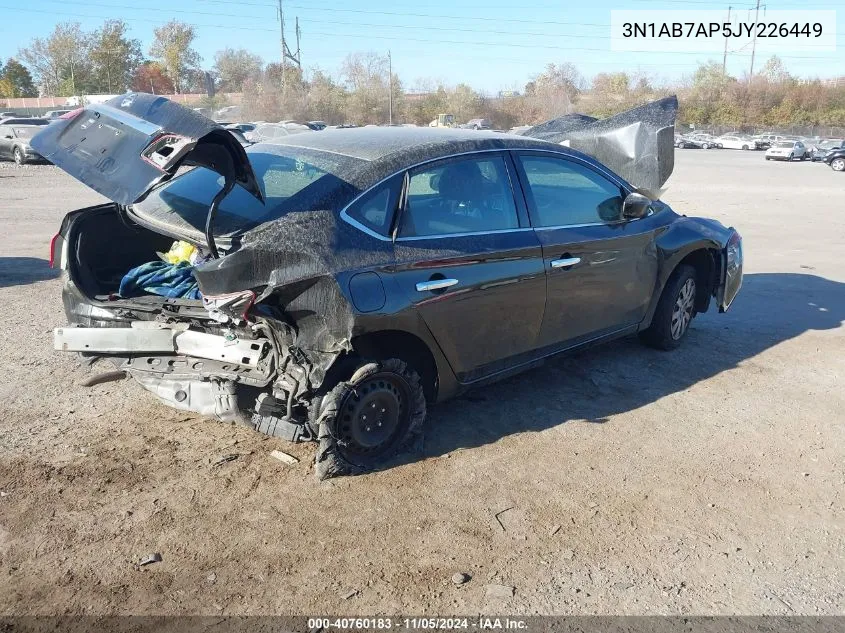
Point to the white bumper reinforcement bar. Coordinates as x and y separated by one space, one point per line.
145 337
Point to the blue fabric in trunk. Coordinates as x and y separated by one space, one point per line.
175 281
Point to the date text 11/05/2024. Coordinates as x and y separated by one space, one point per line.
420 624
721 29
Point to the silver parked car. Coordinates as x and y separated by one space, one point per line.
787 150
14 143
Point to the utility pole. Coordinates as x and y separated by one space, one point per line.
390 88
725 56
754 42
284 46
286 54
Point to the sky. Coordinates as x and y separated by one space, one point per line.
491 44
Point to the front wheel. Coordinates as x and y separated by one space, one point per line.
838 164
745 147
365 421
20 159
675 311
790 157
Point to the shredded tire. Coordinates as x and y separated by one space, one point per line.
332 460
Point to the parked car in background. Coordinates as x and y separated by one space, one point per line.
787 150
707 141
836 159
358 275
50 115
8 115
317 125
243 127
822 149
479 124
685 142
731 141
229 113
14 143
24 121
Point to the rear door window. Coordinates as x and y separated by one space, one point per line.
374 210
469 195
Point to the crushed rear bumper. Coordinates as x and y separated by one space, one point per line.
186 369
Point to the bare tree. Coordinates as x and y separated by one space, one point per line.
367 79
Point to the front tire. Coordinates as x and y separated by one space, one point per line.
675 311
19 157
790 157
745 147
838 164
367 420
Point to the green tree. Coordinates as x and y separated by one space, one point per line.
326 99
172 46
114 57
234 67
17 80
61 62
463 102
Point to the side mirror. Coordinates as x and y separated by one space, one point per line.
635 206
434 182
8 136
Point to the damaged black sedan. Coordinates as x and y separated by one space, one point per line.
329 286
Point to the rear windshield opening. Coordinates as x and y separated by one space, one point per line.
292 179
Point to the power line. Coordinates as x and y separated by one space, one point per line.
361 24
405 38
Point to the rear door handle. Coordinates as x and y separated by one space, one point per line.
566 262
435 284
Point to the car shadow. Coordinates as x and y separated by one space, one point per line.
595 384
19 271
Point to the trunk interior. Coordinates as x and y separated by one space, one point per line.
105 246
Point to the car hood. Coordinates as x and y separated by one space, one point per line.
124 147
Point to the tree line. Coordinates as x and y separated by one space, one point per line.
71 61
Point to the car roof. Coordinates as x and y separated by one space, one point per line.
372 154
409 145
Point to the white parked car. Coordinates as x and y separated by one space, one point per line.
787 150
731 141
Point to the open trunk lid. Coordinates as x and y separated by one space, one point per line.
124 147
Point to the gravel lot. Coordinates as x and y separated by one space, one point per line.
703 481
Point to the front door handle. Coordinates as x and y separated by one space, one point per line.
566 262
435 284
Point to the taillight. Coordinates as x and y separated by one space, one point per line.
72 114
54 257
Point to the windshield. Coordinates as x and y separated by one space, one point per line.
830 144
291 178
785 144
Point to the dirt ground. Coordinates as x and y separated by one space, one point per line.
708 480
